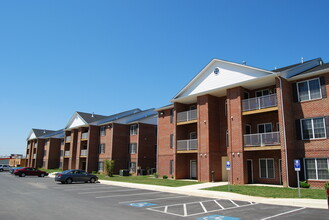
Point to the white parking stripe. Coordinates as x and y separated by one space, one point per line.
204 208
146 200
108 191
218 204
80 189
166 209
234 203
100 197
185 211
284 213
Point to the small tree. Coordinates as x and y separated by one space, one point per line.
109 167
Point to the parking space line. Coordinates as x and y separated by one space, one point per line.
284 213
234 203
219 204
146 200
204 208
79 189
108 191
100 197
166 209
185 210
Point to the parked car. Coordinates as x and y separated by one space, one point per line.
12 169
29 171
69 176
4 167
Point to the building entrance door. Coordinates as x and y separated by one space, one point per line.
193 171
250 172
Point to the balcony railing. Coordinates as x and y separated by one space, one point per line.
185 145
34 156
259 102
68 138
67 153
262 139
84 135
187 116
83 152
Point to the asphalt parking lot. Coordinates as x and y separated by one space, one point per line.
43 198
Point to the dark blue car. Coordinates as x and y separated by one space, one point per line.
69 176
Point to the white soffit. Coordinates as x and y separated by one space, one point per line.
229 74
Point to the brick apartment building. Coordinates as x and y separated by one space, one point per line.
128 138
259 120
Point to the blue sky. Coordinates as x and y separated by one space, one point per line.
58 57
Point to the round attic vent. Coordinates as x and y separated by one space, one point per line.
216 71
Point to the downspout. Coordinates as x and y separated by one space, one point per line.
284 130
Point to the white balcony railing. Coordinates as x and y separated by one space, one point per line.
187 116
259 102
262 139
83 153
185 145
68 138
84 135
67 153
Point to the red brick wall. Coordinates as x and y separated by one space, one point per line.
93 144
120 146
147 139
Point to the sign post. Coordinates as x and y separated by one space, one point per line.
297 169
228 168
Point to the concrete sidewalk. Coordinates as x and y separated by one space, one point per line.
196 190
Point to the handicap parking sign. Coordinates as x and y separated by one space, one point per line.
297 165
228 165
141 204
217 217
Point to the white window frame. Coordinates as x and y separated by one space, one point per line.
324 127
101 149
260 173
103 130
171 167
308 89
131 167
133 129
316 168
133 150
101 162
264 124
262 91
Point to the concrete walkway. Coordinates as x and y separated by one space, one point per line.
196 190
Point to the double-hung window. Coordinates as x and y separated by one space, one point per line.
133 148
133 129
132 167
102 148
101 166
309 90
171 167
313 128
103 131
317 168
264 128
266 168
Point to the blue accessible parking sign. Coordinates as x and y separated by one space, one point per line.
217 217
297 165
228 165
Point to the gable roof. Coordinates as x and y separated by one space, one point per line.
230 74
55 134
82 119
111 118
38 133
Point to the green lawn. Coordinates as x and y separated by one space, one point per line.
274 192
147 180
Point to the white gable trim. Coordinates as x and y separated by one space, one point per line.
31 136
76 121
205 70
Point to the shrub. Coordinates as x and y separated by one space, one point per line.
172 177
304 184
164 177
326 185
156 175
94 172
109 167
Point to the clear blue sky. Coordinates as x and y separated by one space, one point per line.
58 57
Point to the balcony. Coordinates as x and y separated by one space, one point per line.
67 138
186 146
34 156
262 141
84 135
187 116
67 153
83 153
268 102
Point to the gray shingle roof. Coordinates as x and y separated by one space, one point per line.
40 132
55 134
89 118
291 66
317 68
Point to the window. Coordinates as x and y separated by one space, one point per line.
133 129
248 129
225 108
309 90
133 148
44 153
227 138
264 92
101 166
264 128
317 168
103 131
266 168
171 140
277 126
193 135
61 153
102 148
171 167
132 167
246 95
313 128
61 165
44 164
